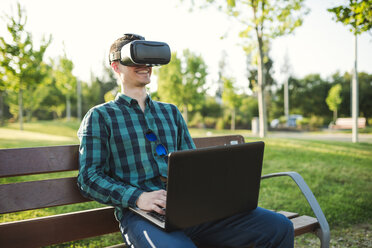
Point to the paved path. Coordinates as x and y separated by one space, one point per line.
344 137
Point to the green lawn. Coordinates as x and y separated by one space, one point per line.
338 173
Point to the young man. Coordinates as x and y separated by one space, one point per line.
121 165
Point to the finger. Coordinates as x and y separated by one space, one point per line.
162 192
163 198
160 203
157 209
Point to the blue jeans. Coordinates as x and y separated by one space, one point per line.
260 227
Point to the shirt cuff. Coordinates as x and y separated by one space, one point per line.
134 197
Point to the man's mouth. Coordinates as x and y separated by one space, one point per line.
142 71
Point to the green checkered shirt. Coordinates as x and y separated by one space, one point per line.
117 162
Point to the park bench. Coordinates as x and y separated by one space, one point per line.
347 123
60 228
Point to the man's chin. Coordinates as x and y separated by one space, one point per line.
144 83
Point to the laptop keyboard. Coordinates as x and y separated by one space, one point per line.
157 216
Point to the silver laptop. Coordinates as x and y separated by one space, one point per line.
209 184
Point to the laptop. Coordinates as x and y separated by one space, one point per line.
209 184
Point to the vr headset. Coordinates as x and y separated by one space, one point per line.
142 52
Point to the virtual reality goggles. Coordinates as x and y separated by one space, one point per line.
142 52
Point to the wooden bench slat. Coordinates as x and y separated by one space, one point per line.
289 215
304 224
218 141
58 228
26 161
39 194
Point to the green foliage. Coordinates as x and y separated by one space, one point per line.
229 95
210 111
357 14
22 65
182 81
65 81
306 96
18 57
100 90
247 110
170 81
311 123
365 94
278 17
230 98
263 20
334 99
253 73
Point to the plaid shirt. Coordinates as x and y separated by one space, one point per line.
117 162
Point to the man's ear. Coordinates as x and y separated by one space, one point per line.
114 66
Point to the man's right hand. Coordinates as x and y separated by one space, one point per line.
153 201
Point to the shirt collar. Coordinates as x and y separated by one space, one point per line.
128 101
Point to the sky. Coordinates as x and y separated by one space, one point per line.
85 29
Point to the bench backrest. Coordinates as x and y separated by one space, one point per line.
15 197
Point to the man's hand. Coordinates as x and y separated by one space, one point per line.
153 201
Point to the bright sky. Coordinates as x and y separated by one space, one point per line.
88 27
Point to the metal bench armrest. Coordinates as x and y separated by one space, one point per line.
323 233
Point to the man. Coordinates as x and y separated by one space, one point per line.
123 148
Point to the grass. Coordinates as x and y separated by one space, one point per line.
41 133
338 173
55 127
360 130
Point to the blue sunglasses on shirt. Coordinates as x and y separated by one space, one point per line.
160 148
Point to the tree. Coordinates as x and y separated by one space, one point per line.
2 94
182 81
269 80
358 15
20 61
247 110
66 82
268 19
365 81
210 111
230 98
38 91
221 72
334 99
307 96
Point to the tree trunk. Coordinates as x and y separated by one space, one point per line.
68 108
1 108
261 89
334 115
233 119
20 106
355 104
79 107
286 100
185 114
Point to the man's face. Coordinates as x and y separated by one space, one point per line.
138 76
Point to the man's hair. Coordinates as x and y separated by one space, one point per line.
122 41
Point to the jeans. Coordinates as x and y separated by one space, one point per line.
260 227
